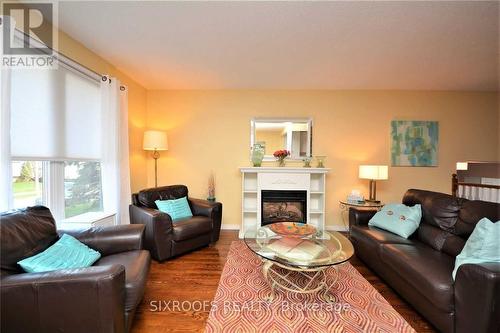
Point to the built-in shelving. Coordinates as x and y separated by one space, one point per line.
254 180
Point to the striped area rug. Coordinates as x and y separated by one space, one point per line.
239 305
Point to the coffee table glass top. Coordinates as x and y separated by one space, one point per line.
319 249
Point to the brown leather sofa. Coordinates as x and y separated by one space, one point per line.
420 268
99 299
165 239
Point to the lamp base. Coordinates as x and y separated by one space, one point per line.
373 191
156 156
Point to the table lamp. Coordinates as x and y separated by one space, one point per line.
462 166
155 141
373 173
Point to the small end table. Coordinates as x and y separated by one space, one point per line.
344 209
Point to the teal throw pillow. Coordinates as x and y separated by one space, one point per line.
482 246
67 252
177 208
399 219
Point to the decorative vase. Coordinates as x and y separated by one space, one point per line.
281 162
211 199
307 162
257 154
321 161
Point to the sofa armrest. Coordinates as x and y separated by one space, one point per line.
75 300
209 209
477 298
360 216
158 232
109 240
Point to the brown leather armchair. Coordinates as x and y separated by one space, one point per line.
420 268
165 239
101 298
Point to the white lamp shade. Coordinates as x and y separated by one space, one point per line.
462 166
155 140
375 172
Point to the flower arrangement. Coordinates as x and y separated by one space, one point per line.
280 155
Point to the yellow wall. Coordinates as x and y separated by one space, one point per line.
210 130
136 104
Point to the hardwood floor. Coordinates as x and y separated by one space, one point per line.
195 277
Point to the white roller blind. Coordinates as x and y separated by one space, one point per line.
55 115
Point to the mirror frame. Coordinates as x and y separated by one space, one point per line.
268 158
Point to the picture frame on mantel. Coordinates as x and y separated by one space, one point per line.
414 143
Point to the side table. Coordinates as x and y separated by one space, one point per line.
345 205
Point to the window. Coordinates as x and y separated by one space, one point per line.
55 135
28 183
69 188
82 188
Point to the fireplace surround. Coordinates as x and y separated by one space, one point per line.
296 182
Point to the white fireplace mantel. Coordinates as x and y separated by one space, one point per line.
256 179
283 170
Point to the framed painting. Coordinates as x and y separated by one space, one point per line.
414 143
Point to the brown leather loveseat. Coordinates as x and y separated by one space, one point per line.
420 268
99 299
165 239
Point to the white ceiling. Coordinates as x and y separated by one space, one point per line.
294 45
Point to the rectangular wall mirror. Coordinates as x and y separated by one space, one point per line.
293 134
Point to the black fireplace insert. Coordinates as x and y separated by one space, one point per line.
283 206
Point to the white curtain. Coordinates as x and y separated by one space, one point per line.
6 200
115 160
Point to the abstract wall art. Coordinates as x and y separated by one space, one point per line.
414 143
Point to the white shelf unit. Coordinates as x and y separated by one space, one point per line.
249 201
317 200
313 180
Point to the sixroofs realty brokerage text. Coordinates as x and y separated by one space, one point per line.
249 306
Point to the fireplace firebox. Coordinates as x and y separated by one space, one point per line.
283 206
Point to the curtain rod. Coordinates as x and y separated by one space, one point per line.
60 56
73 64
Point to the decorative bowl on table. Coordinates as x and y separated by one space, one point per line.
292 229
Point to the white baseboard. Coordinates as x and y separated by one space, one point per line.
230 226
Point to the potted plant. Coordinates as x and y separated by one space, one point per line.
280 156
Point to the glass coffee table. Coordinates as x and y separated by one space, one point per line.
299 263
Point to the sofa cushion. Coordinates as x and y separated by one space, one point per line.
148 196
177 208
25 233
448 221
68 252
424 269
472 212
399 219
440 240
438 209
191 227
136 265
